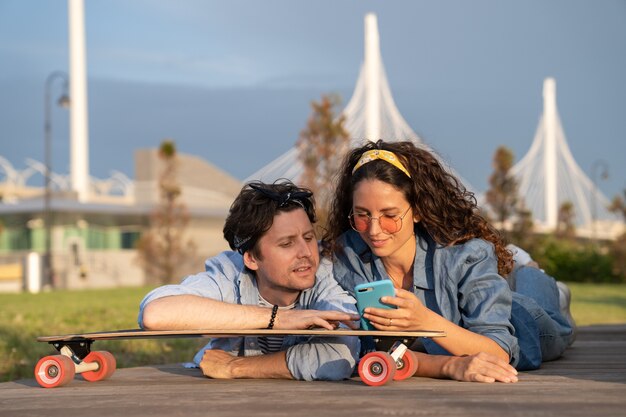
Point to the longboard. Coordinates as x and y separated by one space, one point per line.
76 356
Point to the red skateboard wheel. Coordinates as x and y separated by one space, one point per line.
106 363
54 371
377 368
408 366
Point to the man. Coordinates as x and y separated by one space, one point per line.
273 280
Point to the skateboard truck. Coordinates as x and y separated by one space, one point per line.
397 352
76 350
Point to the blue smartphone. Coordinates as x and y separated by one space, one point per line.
369 294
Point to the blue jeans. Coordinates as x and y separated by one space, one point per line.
539 295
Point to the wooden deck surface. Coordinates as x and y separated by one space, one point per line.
590 380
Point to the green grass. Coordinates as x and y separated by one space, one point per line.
23 317
598 303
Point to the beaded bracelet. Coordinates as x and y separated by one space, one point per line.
274 311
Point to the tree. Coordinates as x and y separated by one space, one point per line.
321 146
618 247
162 250
502 194
565 221
522 230
618 205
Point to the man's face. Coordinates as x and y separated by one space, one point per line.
288 259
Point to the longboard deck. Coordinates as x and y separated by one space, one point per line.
156 334
76 356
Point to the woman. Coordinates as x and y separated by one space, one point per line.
398 214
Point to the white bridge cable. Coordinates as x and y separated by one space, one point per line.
391 126
573 185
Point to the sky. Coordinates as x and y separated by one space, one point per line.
232 81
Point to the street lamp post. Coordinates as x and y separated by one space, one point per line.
599 163
63 101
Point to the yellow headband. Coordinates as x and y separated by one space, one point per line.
387 156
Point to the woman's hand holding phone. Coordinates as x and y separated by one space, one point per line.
407 312
368 299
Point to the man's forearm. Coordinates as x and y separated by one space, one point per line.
184 312
272 366
222 365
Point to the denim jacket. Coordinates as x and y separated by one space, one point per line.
461 283
308 358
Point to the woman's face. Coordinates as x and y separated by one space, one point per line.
390 231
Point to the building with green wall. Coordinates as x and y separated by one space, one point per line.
93 243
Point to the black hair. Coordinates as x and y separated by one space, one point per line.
252 213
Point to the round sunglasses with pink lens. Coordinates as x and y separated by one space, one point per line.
361 222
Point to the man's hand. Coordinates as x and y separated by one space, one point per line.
305 319
218 364
481 367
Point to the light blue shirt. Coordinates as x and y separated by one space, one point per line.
460 283
308 358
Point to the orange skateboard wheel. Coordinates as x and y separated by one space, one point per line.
54 371
377 368
408 366
106 362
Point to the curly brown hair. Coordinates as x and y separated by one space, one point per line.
448 211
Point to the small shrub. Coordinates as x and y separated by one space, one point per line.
572 261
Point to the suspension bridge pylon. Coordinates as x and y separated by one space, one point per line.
548 177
